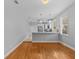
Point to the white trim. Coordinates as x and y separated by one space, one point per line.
28 38
13 49
45 41
38 42
63 43
67 45
46 32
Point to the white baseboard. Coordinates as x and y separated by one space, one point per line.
52 42
63 43
12 49
45 41
38 42
67 45
29 38
25 39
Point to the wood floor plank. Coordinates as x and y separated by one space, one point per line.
42 51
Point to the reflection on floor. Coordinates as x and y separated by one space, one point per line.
42 51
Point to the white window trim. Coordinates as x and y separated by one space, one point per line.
61 26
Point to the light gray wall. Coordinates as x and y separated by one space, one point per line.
38 37
16 18
16 29
70 39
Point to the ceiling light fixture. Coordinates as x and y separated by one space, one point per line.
15 1
45 2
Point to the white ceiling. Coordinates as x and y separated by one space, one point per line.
33 8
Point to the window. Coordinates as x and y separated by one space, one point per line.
65 25
47 26
54 29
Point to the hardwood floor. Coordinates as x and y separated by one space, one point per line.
42 51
